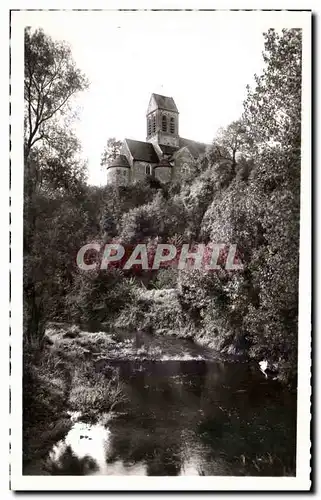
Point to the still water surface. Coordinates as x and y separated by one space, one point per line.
188 416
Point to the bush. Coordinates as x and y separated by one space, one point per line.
93 394
45 385
197 288
166 278
99 295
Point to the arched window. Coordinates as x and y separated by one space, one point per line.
172 126
149 126
164 123
148 170
154 124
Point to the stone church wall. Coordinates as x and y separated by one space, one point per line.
139 170
163 174
183 161
125 151
162 138
118 176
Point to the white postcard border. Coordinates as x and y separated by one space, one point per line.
137 483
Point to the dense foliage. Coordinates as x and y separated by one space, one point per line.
245 190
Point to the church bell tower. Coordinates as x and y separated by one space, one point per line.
162 121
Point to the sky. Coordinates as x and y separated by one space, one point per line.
204 60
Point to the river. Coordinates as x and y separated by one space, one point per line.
186 414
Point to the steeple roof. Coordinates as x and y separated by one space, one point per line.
164 102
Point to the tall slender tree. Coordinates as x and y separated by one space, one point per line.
50 150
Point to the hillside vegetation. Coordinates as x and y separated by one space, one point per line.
245 191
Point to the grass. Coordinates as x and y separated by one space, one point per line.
70 344
145 352
92 394
157 311
46 383
59 378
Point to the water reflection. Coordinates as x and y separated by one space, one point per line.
83 451
187 418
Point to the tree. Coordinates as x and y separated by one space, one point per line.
111 150
230 141
51 79
51 151
52 164
273 119
272 109
257 207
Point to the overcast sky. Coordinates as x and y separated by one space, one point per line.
202 59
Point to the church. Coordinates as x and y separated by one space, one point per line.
163 155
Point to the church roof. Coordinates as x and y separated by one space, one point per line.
196 148
119 161
164 162
164 102
142 151
168 150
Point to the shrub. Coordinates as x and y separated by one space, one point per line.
99 295
166 278
92 393
45 384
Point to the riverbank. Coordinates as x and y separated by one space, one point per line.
182 410
60 381
69 374
165 312
161 312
